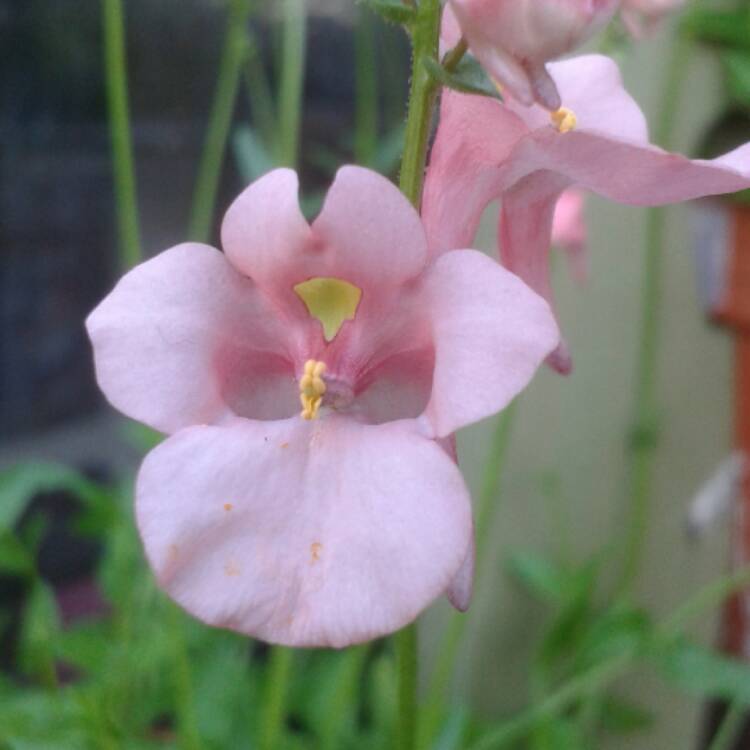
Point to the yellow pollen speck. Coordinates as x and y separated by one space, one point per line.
315 550
231 569
284 445
228 506
312 387
330 301
564 119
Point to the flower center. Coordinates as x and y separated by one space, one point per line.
311 388
564 119
330 301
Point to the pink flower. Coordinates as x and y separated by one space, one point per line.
310 380
486 150
513 39
569 232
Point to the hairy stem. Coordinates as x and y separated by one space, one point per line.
422 95
425 33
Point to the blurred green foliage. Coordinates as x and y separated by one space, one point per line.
141 674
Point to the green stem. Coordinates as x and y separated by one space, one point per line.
425 34
406 643
292 81
644 435
220 122
422 95
593 681
727 732
187 721
343 708
365 91
258 91
280 670
447 651
119 127
454 56
707 598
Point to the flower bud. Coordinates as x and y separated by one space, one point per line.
513 39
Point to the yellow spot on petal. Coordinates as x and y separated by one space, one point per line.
331 301
231 569
285 445
228 506
315 549
312 387
564 119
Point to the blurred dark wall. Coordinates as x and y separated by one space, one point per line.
57 241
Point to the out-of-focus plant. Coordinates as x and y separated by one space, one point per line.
139 673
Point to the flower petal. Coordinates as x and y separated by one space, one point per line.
264 233
591 86
469 167
167 338
368 231
639 175
490 333
460 591
320 533
525 231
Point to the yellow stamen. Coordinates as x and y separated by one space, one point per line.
564 119
312 387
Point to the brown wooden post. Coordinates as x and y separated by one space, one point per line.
735 314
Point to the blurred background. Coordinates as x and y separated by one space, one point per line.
91 655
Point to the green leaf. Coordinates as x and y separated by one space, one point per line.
85 645
40 624
737 67
392 10
557 734
469 77
620 629
538 576
389 150
622 717
19 484
253 158
455 730
701 671
15 558
722 28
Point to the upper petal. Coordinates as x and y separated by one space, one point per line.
319 533
264 233
591 85
490 332
175 334
368 232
